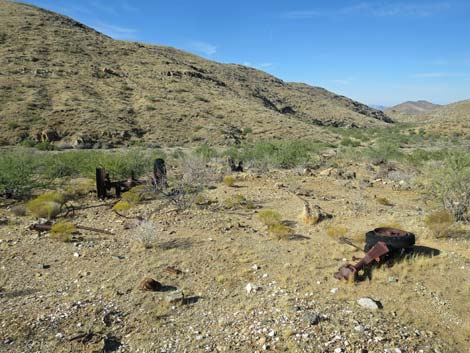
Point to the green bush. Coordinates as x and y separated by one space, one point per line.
450 184
17 174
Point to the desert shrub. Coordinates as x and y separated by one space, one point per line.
122 206
63 231
17 174
347 141
229 180
146 234
383 201
80 187
384 152
47 205
280 231
196 173
238 201
450 184
205 152
132 197
336 231
440 223
269 217
280 154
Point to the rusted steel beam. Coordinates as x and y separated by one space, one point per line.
46 227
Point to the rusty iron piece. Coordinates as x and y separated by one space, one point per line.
173 270
104 183
348 270
46 227
149 284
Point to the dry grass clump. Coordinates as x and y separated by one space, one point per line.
269 217
47 205
336 231
229 181
128 200
280 231
63 231
146 234
383 201
19 210
80 187
122 206
440 223
238 201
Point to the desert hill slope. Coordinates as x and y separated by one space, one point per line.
458 111
413 107
62 81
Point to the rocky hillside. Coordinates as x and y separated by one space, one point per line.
458 111
63 82
411 110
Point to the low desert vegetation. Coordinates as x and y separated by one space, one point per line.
48 205
63 231
269 217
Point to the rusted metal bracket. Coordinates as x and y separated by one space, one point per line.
349 271
104 183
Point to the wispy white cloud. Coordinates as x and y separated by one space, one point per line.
116 32
203 47
376 9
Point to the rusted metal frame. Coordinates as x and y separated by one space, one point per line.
348 270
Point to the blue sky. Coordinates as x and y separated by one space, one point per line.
378 52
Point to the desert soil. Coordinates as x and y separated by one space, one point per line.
84 296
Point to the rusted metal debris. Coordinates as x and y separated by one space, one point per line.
173 270
349 271
46 227
381 244
104 183
233 166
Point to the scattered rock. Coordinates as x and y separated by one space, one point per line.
359 328
174 297
173 270
76 254
149 284
250 287
326 172
369 303
392 279
334 290
3 221
42 266
311 318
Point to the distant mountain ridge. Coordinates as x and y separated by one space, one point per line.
413 107
64 82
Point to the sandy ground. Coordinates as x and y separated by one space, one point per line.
84 296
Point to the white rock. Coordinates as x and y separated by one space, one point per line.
250 287
255 267
359 328
368 303
76 254
334 290
338 350
272 333
398 350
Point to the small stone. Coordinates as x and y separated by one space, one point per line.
334 290
149 284
255 267
262 341
42 266
338 350
398 350
250 287
359 328
272 333
59 336
118 257
392 279
3 221
176 296
311 318
76 254
369 303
